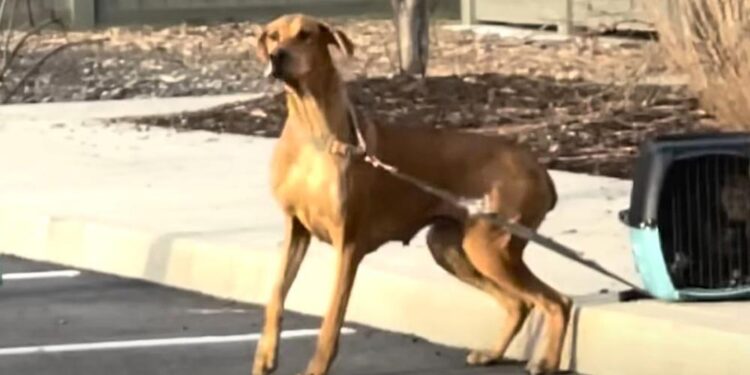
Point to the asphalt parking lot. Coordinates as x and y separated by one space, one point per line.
58 320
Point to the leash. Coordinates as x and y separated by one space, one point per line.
512 227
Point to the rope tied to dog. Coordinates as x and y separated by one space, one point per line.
512 227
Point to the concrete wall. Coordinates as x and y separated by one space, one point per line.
88 13
40 10
560 13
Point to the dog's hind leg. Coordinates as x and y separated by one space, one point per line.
349 257
444 239
296 242
498 257
556 309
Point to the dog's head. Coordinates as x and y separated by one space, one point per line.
294 47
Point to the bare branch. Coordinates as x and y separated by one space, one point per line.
34 69
3 3
36 30
9 30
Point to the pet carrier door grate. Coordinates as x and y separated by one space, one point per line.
689 216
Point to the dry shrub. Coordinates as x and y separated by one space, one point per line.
709 41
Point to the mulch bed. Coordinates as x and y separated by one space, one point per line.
572 125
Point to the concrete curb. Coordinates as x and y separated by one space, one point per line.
382 299
603 338
649 337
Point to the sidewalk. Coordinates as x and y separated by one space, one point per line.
193 210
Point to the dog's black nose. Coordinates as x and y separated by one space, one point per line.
278 57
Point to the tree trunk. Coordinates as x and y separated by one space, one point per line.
412 34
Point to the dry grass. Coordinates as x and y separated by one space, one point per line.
708 41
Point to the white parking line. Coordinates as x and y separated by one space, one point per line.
40 275
217 311
175 341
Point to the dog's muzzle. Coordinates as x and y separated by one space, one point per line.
275 66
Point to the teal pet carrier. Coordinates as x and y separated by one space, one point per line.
689 216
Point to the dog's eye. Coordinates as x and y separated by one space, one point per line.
274 36
303 35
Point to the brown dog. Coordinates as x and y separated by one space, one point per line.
342 200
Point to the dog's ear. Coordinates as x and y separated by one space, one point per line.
261 49
336 37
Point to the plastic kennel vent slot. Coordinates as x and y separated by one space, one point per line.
689 216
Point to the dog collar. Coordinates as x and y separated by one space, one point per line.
334 146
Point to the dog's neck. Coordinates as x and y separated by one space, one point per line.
320 106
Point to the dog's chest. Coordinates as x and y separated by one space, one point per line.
309 185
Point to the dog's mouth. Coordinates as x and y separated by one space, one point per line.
273 71
268 72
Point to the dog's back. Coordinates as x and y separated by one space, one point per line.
467 164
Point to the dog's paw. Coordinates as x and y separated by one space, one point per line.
264 364
481 358
542 368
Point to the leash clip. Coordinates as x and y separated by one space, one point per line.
337 147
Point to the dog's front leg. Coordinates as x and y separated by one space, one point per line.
349 258
296 242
